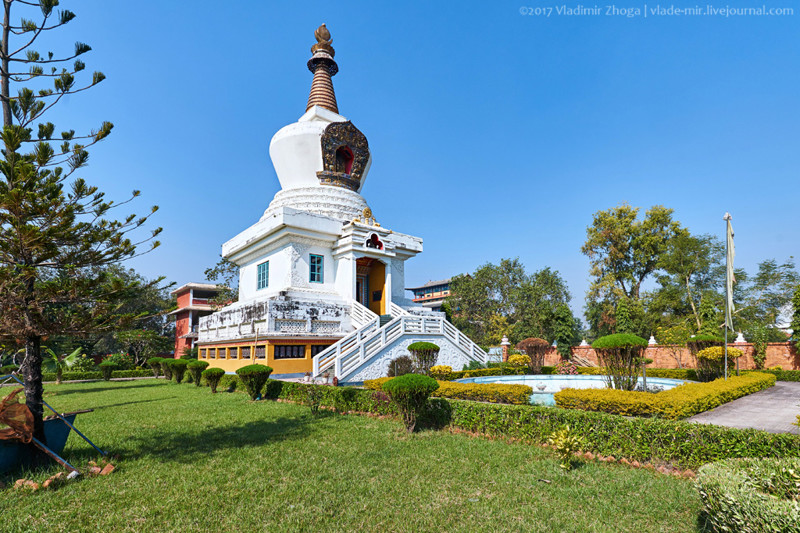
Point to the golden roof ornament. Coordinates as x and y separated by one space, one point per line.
324 67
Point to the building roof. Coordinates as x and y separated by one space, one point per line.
201 286
430 284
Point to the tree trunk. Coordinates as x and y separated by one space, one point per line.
59 374
5 88
32 374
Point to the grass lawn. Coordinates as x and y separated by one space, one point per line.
193 461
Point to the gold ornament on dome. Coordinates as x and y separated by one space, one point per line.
367 212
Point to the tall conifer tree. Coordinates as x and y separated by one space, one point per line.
57 232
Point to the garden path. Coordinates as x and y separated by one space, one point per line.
774 410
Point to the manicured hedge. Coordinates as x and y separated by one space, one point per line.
682 444
69 376
690 374
751 494
479 392
681 402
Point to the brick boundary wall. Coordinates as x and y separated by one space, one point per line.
779 354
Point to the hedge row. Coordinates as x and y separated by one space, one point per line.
690 374
479 392
681 402
70 376
751 494
658 441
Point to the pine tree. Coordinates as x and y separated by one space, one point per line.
57 232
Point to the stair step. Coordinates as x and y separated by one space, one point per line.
385 319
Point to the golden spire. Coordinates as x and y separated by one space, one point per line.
324 68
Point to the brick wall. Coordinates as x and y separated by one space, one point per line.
781 354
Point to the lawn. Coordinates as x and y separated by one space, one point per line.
193 461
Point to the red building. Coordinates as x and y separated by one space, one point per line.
194 301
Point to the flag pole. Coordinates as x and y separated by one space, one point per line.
727 219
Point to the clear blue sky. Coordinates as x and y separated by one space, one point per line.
493 134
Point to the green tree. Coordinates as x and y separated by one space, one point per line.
566 330
795 323
623 316
710 315
673 339
226 274
624 251
764 295
56 230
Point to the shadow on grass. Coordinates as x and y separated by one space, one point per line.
186 446
54 391
131 403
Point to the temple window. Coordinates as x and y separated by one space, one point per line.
374 242
245 352
289 351
344 160
315 270
263 275
261 352
318 348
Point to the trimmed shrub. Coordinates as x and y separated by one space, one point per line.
751 494
195 369
213 377
166 367
254 377
485 392
519 361
535 348
424 355
178 367
106 368
399 366
441 372
681 402
711 361
155 365
567 368
410 393
621 354
75 376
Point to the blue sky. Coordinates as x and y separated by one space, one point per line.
493 134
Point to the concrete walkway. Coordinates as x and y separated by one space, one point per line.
774 410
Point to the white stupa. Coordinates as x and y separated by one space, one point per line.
321 283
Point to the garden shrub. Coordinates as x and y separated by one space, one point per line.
701 342
671 373
410 393
166 367
122 361
106 367
424 355
253 377
751 494
620 354
155 365
313 399
441 372
519 360
535 348
473 365
178 367
479 392
213 377
681 402
230 383
567 368
75 376
565 443
711 361
195 369
8 369
400 366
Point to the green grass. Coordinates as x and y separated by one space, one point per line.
194 461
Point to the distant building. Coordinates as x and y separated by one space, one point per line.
432 294
193 302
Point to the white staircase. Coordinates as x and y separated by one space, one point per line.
369 341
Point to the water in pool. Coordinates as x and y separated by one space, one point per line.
546 385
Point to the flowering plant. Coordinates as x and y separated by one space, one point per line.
567 367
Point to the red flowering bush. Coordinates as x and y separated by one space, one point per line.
567 367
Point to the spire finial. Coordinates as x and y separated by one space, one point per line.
324 67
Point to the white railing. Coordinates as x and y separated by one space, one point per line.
395 310
360 315
351 352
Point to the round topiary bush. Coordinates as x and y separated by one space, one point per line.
441 372
410 393
711 362
621 355
535 348
254 378
155 365
751 494
400 366
424 355
107 367
195 369
166 367
519 360
213 377
178 367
